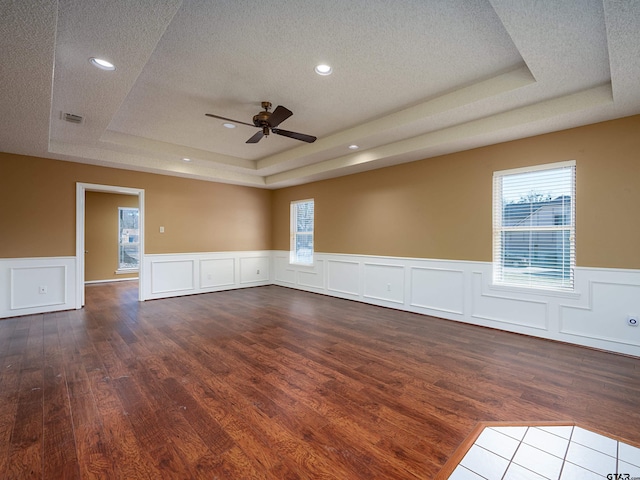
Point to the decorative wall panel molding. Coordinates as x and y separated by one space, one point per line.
384 282
498 308
171 276
36 285
217 272
438 289
604 318
190 273
343 277
594 315
254 269
283 274
312 277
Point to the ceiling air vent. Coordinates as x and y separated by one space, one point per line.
71 118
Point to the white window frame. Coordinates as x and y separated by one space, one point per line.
120 243
529 280
294 257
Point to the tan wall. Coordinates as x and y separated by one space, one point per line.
37 209
434 208
101 234
441 207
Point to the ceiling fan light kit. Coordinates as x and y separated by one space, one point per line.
267 122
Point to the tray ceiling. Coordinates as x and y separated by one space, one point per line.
411 80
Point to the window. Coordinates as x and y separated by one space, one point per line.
302 232
128 239
534 226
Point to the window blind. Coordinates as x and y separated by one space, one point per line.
534 226
302 220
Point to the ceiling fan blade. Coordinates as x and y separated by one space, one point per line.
256 138
229 119
296 135
279 115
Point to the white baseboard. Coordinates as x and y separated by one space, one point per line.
110 280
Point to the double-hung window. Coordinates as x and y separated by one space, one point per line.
128 239
534 226
302 232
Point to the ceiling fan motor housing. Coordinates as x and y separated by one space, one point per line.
261 119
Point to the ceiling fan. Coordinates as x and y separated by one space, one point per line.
268 121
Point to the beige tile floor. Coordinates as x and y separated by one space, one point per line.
559 452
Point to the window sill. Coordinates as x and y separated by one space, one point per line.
549 292
126 271
297 264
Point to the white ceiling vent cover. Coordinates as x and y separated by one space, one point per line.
72 118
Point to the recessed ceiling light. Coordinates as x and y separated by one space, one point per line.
185 159
228 125
354 147
102 64
323 69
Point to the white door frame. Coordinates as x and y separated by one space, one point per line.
81 189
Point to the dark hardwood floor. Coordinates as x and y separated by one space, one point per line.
275 383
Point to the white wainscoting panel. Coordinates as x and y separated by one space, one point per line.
312 277
499 308
217 272
307 277
283 273
343 277
605 316
384 282
438 289
190 273
36 285
593 315
254 269
170 276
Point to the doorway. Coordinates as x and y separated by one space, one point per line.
81 191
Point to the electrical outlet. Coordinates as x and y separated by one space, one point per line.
258 272
388 287
42 289
632 320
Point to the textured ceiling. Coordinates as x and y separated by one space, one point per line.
412 79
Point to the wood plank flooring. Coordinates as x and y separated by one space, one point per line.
274 383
